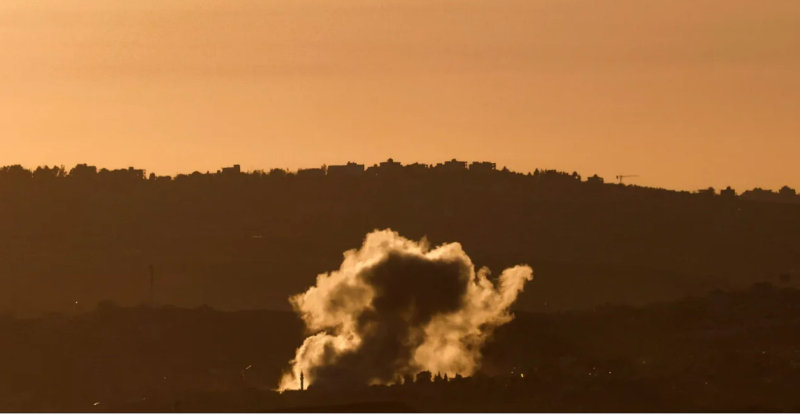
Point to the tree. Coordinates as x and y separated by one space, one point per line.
787 192
277 173
83 172
424 377
47 173
14 172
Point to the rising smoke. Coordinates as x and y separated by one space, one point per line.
395 308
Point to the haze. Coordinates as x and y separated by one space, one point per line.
685 93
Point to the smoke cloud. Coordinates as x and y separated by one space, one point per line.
396 307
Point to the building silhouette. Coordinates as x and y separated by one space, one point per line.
350 169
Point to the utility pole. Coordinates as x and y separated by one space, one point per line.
302 378
152 286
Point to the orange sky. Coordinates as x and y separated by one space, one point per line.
685 93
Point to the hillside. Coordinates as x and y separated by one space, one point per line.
237 240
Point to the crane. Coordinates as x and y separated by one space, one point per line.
620 177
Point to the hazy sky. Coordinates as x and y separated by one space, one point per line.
685 93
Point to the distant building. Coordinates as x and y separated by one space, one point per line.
122 175
728 192
156 178
455 165
758 194
350 169
311 172
372 171
482 166
137 174
707 192
452 166
236 169
416 168
390 167
595 179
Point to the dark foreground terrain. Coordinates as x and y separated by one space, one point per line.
729 351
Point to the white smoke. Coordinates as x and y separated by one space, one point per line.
395 307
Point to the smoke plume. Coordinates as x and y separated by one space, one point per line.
396 307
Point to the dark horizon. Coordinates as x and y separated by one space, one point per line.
633 180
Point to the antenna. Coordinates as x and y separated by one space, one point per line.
621 177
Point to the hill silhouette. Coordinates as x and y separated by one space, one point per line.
237 240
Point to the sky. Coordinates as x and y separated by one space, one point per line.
686 94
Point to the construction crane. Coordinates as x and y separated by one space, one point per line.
621 177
